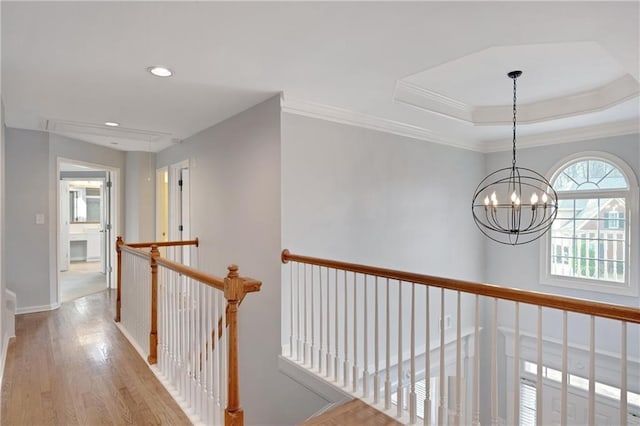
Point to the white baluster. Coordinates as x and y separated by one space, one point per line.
412 363
321 310
190 348
623 374
206 354
376 377
400 389
224 355
312 348
387 383
592 371
291 338
216 355
354 375
565 348
427 362
328 353
345 373
475 403
336 358
442 403
516 365
298 305
458 412
306 329
365 374
494 365
539 381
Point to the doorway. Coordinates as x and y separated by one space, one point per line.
85 222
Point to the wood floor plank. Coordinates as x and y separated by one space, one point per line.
352 413
72 366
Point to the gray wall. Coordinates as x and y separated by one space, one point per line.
31 160
140 197
235 211
365 196
27 173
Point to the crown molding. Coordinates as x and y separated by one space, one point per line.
349 117
76 127
598 99
565 136
428 100
353 118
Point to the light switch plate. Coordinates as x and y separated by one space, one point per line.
40 219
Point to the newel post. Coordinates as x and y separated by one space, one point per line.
153 333
233 292
119 244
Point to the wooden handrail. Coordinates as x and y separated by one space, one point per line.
581 306
195 242
204 278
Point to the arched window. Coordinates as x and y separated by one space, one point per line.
590 244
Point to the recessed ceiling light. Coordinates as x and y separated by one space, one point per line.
159 71
111 124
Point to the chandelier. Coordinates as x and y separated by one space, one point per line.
514 205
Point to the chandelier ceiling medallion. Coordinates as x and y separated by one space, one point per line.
514 205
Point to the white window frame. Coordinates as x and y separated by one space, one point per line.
630 285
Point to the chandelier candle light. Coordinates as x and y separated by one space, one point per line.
514 205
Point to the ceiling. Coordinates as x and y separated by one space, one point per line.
430 70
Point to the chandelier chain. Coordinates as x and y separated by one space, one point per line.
513 162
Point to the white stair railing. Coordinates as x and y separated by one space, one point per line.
427 344
187 323
135 316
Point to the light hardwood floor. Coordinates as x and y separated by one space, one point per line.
72 366
352 413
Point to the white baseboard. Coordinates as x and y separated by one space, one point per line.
3 357
317 384
133 342
34 309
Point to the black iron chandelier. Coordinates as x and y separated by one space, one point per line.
514 205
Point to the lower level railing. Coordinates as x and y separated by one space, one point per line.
186 321
432 350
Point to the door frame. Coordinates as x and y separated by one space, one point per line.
176 213
115 223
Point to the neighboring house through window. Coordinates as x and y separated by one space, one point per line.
590 244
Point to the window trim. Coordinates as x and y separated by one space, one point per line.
630 285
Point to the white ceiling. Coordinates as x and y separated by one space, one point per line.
69 67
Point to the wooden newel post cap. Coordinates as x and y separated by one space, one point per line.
233 285
233 271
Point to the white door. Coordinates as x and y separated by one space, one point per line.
64 226
185 214
106 227
179 211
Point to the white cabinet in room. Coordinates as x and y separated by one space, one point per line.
77 247
93 244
